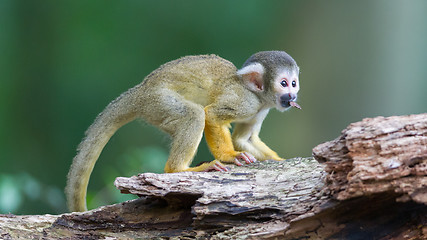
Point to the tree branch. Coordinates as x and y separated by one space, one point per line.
371 184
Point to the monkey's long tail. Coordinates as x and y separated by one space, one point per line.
116 114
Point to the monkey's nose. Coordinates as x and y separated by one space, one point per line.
288 97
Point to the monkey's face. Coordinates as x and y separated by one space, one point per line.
286 87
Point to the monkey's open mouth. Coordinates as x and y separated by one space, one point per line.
285 104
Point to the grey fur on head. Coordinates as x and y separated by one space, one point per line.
271 60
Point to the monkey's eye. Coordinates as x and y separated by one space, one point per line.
294 84
284 83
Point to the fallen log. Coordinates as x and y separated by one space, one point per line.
369 183
378 155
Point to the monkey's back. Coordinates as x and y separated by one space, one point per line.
196 78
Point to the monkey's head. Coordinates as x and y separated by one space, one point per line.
272 75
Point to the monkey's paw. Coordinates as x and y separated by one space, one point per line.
276 158
215 165
247 157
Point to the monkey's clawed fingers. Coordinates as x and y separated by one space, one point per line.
220 167
216 166
247 157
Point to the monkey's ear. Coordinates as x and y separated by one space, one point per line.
253 76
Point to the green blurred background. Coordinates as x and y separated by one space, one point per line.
62 62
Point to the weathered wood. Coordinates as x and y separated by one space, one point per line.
258 198
378 155
370 184
268 188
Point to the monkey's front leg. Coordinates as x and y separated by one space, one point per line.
245 138
218 138
268 153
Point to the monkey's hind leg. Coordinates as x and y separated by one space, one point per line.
184 121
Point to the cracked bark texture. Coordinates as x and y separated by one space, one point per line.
370 184
378 155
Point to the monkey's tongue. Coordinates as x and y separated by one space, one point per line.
295 105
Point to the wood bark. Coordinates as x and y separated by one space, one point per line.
378 155
369 183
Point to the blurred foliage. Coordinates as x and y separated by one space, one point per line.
62 62
20 192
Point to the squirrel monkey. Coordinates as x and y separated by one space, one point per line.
187 97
